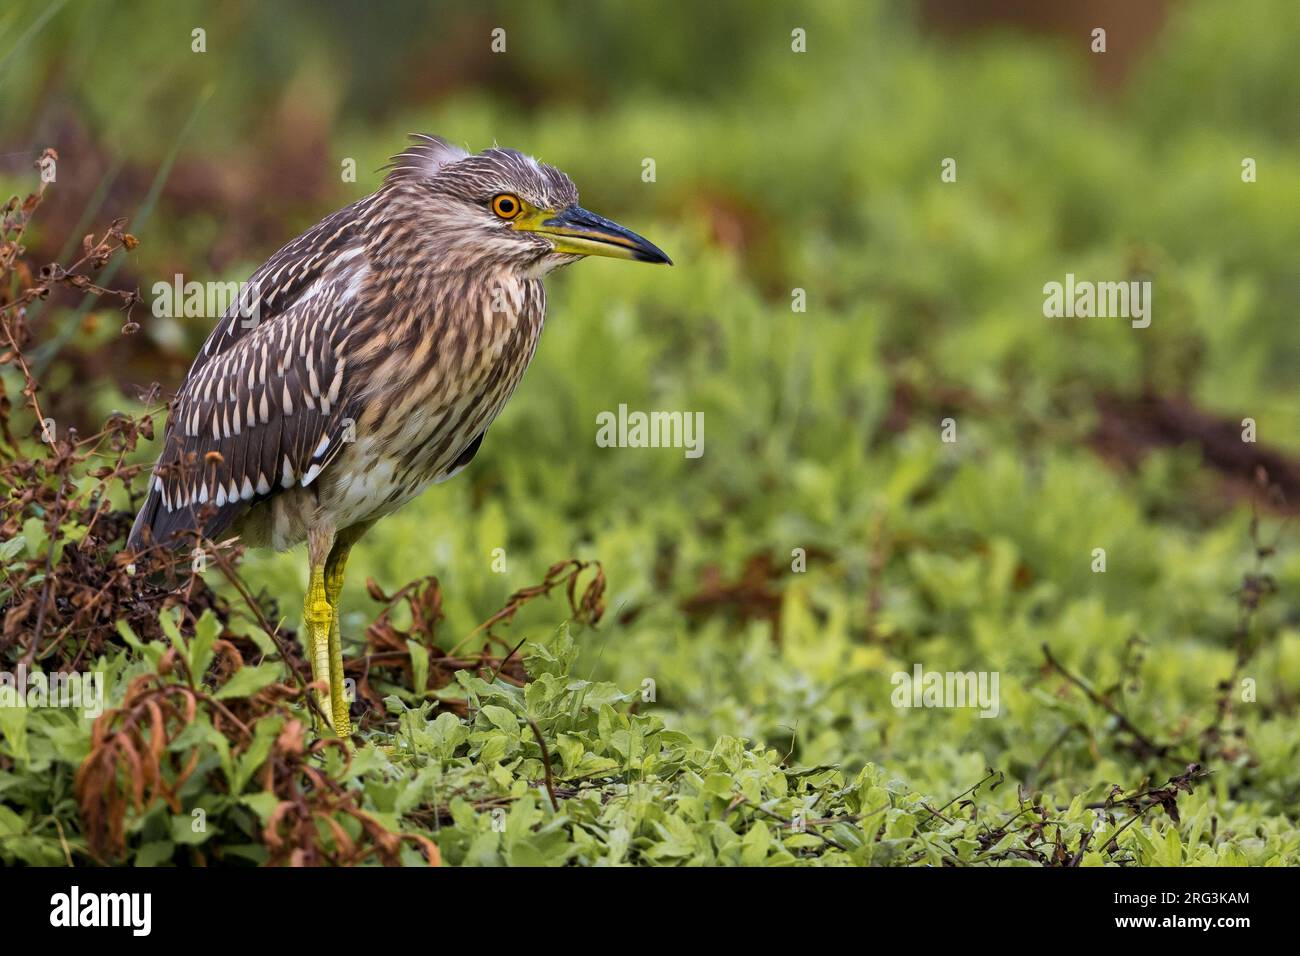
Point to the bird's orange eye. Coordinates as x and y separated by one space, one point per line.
506 206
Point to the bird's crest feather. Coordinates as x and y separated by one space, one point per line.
423 158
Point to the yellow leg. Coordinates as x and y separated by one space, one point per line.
332 582
334 566
317 617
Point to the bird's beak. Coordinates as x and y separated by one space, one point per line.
575 231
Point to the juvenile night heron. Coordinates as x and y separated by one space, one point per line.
367 362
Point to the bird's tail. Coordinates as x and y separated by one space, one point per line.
157 525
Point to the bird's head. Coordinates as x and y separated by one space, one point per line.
500 207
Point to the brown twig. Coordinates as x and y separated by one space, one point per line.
546 764
1147 746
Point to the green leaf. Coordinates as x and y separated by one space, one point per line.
502 719
152 854
13 726
35 537
168 621
10 822
248 680
419 666
191 830
201 645
755 844
263 803
264 734
10 548
571 749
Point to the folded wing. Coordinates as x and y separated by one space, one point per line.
267 404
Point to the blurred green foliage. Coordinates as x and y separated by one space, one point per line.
777 171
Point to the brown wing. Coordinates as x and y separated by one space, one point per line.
286 276
271 398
